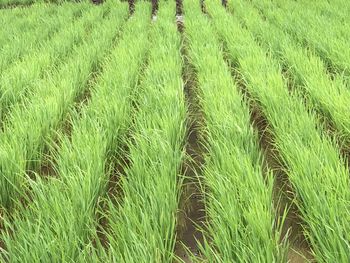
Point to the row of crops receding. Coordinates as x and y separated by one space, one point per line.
194 131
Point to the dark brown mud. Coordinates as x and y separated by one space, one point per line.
97 2
154 7
131 7
283 193
179 8
191 214
203 7
224 3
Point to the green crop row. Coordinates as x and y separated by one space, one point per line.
93 130
337 26
26 42
239 200
23 20
337 22
142 222
310 29
65 207
314 166
329 97
29 128
337 10
20 80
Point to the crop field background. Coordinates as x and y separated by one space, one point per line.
175 131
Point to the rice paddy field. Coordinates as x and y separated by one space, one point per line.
175 131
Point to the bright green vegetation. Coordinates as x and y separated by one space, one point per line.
311 30
81 164
142 224
337 10
333 21
306 70
240 222
95 106
22 21
34 34
32 126
21 79
313 164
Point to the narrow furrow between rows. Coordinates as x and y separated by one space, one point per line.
131 7
191 214
155 6
237 191
287 212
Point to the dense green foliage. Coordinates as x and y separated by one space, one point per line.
95 128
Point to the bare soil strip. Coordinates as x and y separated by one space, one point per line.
191 213
154 8
203 8
224 3
131 7
179 7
